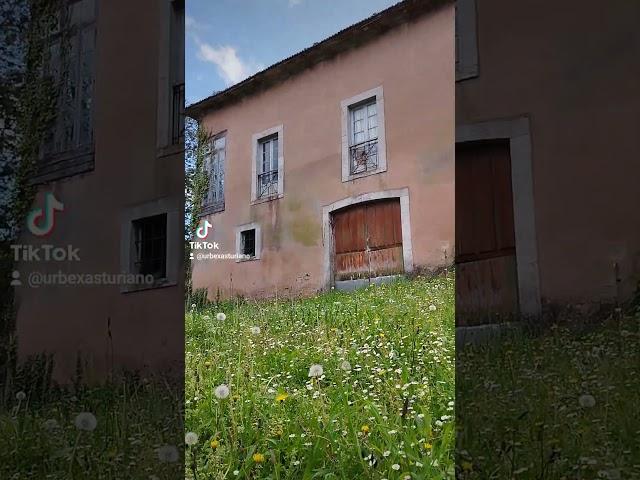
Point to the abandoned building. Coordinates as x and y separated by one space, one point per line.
335 166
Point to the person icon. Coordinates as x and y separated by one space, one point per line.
15 279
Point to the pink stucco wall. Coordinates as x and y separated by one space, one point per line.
110 329
414 65
571 75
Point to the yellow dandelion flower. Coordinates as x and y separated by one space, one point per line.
215 444
280 398
364 429
428 446
258 457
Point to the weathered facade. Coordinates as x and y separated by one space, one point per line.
335 166
114 161
546 115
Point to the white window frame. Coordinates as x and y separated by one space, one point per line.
255 141
466 37
174 246
346 107
258 244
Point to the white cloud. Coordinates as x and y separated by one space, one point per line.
230 67
293 3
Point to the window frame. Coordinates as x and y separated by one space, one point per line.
258 241
348 107
466 40
79 157
215 207
168 206
257 140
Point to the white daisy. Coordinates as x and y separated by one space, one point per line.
395 466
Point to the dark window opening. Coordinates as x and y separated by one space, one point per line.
248 242
150 244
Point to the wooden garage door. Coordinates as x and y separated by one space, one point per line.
486 277
368 240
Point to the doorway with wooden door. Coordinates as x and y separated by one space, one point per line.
367 241
486 270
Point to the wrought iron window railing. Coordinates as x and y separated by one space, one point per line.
363 157
267 184
177 114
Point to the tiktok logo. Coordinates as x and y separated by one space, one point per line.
203 230
40 221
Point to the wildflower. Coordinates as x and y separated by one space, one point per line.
214 444
418 464
221 392
427 446
281 397
86 421
168 454
395 466
587 401
386 453
364 429
236 473
346 366
258 457
432 307
191 438
207 317
221 317
316 370
255 330
20 396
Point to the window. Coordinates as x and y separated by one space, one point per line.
268 166
150 246
363 140
176 48
150 242
466 39
214 165
363 135
67 147
248 242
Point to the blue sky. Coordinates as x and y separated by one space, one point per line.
229 40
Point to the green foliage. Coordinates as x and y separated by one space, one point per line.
197 144
524 404
400 385
39 438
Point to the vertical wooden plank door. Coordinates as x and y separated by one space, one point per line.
368 240
486 275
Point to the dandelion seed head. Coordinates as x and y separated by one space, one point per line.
21 395
86 421
168 454
316 370
191 438
221 391
587 401
221 317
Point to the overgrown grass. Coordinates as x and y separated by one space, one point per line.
137 433
562 405
390 415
